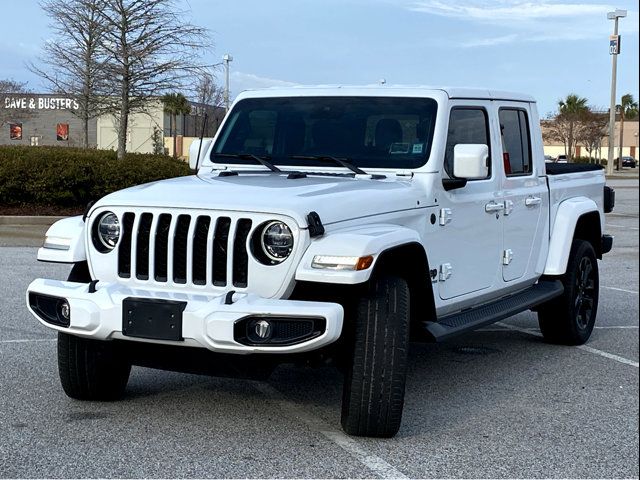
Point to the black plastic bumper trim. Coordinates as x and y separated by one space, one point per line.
607 243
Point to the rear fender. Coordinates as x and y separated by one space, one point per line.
563 231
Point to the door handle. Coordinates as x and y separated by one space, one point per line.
532 201
493 207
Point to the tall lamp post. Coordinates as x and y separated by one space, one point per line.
614 50
227 59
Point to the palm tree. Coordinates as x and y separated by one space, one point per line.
572 104
628 109
175 104
572 108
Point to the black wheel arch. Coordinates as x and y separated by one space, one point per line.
588 228
410 262
80 273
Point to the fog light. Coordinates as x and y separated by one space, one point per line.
65 310
263 329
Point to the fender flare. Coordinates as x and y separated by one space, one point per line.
68 234
353 242
563 230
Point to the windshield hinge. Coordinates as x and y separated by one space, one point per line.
316 228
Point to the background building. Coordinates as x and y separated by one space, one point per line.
629 138
45 119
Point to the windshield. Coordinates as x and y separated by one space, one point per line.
378 132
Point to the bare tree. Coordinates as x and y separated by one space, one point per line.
10 88
73 62
207 91
561 129
592 131
153 51
207 94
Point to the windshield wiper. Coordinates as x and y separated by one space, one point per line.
328 158
342 162
250 156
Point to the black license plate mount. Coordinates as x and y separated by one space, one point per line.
152 318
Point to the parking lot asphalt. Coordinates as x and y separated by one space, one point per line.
495 403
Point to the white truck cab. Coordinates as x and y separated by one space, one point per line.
330 223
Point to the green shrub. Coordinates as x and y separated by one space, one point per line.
71 177
584 159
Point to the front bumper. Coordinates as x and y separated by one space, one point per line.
207 321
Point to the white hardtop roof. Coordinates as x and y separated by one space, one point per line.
386 91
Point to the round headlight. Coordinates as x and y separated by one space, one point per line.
108 231
277 241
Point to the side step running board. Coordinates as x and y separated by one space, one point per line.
476 317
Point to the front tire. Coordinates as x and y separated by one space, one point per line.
569 319
373 393
91 369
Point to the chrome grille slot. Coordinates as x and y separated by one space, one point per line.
161 248
124 251
199 262
220 246
142 246
180 240
240 257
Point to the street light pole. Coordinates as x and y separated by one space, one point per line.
226 59
614 67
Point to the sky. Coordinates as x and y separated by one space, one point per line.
544 48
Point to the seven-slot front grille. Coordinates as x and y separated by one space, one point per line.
184 249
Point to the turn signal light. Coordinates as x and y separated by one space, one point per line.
333 262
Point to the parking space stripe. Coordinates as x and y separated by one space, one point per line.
595 351
621 290
621 226
29 340
374 463
617 358
606 327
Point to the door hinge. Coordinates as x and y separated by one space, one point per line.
507 256
445 271
445 216
508 207
433 273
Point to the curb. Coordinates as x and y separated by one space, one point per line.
20 220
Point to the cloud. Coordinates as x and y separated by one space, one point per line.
527 21
498 11
487 42
241 81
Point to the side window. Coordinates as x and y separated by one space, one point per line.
516 141
466 125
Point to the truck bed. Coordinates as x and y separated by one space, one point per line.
562 168
569 181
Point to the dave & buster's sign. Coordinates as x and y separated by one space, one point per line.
39 103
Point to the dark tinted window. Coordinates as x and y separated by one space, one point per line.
516 141
368 131
466 125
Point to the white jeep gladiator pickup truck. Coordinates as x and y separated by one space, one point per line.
330 223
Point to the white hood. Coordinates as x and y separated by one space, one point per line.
334 198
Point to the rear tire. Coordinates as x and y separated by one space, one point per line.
569 318
91 369
373 393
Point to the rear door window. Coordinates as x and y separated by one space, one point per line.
516 141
